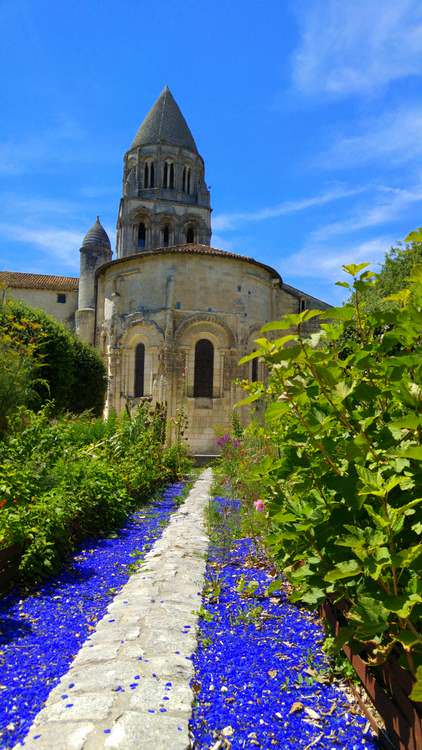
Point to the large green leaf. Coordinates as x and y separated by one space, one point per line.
415 236
370 479
380 521
276 410
416 694
339 313
408 639
412 451
371 617
249 357
353 268
345 569
402 605
292 320
248 400
405 557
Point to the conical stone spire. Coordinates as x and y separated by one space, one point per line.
165 123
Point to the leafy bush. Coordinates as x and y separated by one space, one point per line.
17 377
398 265
62 479
73 374
344 487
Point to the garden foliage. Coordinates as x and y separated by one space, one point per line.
69 372
62 479
398 266
342 471
18 377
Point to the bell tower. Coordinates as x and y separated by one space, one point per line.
165 199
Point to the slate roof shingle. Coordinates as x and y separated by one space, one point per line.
165 123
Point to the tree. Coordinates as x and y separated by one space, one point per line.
399 263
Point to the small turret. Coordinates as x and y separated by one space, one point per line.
95 250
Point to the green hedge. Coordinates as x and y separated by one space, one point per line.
72 373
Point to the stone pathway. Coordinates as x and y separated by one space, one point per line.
128 687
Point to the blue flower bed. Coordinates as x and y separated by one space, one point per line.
258 665
40 634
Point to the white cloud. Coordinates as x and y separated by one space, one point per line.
392 204
394 138
228 221
60 244
323 262
51 229
356 47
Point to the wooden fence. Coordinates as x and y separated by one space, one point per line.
388 686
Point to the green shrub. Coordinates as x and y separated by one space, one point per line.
73 374
176 461
344 490
64 478
17 378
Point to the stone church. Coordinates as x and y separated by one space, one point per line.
170 314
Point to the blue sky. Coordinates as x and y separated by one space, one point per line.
308 115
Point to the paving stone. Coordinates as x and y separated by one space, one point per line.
118 633
94 706
106 675
60 736
134 731
168 694
97 652
121 676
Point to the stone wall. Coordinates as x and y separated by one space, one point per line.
46 299
169 302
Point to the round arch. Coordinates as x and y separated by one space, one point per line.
202 323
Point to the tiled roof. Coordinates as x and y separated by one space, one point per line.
165 123
192 249
38 281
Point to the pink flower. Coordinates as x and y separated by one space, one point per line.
259 505
222 441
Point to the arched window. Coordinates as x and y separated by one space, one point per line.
168 174
149 174
166 235
186 180
190 235
139 370
204 369
142 234
254 370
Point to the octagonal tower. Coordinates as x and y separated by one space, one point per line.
165 199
